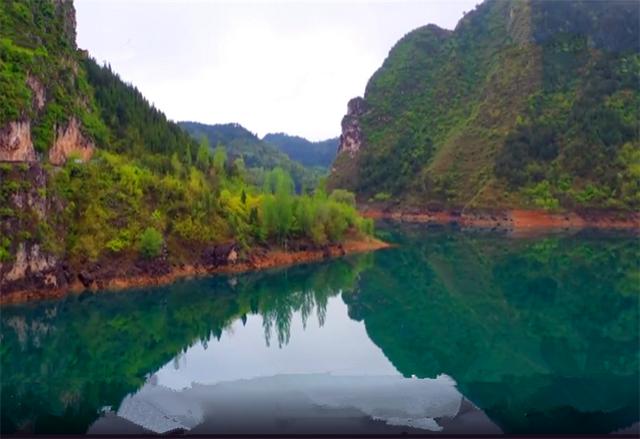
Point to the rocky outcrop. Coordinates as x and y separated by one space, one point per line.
37 88
221 254
15 142
32 269
69 142
351 139
28 211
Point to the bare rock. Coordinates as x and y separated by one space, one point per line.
70 141
38 92
86 278
351 138
15 142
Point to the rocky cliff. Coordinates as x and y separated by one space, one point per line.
48 111
344 171
529 104
27 219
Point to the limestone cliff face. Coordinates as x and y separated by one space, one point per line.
344 172
351 138
37 88
70 142
33 126
15 142
26 206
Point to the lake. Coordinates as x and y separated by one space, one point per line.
448 332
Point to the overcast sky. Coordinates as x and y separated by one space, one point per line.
269 65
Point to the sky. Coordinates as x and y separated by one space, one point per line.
272 66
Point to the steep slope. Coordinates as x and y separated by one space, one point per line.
308 153
46 108
528 103
258 155
97 187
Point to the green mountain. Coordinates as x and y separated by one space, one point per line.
96 183
527 103
258 155
308 153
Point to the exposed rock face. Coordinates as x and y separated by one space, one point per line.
221 254
351 138
15 142
29 260
30 265
70 141
38 92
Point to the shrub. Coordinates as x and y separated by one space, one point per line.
382 196
343 196
151 242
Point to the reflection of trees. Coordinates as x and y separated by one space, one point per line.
303 291
546 327
64 360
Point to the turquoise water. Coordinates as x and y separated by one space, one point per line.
448 332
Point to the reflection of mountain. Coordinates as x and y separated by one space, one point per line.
541 334
62 361
307 403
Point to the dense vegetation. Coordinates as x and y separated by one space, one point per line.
308 153
38 52
526 103
258 156
150 189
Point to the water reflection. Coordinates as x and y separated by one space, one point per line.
541 333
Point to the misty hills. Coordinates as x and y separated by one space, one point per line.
305 161
321 153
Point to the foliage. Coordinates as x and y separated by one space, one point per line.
520 93
149 183
308 153
37 50
151 242
258 156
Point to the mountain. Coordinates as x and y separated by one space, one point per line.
258 155
308 153
98 187
527 103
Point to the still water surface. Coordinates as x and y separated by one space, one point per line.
449 332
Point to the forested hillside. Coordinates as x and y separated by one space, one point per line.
526 103
258 155
93 179
308 153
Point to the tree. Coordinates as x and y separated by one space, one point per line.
203 158
151 242
219 160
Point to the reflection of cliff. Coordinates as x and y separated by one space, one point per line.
64 360
305 403
541 334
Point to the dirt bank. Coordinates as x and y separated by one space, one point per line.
512 220
259 259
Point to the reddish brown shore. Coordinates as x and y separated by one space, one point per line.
513 220
258 260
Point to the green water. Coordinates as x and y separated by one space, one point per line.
537 335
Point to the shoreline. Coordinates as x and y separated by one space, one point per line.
273 258
513 220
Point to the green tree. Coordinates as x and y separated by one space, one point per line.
151 242
203 158
219 160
